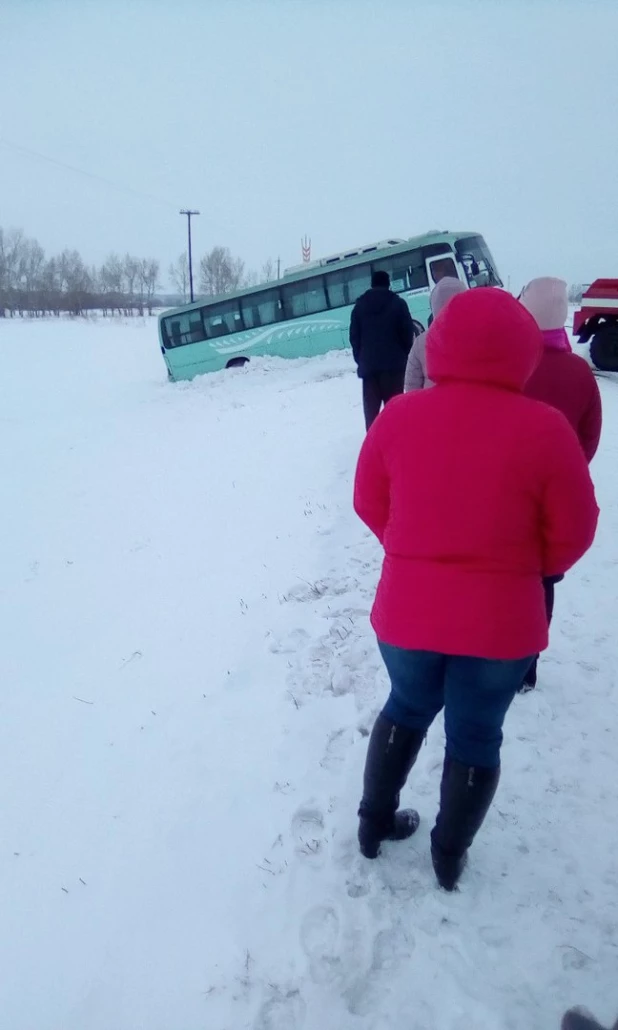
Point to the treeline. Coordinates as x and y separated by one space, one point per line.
35 285
218 272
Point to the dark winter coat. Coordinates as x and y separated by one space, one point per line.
381 332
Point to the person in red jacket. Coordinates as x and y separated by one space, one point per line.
475 492
565 381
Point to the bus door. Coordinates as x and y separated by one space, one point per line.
441 265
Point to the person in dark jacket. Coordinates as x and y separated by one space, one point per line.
565 381
381 336
579 1019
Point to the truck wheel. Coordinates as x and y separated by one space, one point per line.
604 348
237 362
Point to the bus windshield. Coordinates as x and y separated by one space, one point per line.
477 261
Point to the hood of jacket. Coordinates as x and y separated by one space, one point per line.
484 336
547 301
443 291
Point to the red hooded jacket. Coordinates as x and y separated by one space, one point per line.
562 378
565 381
474 490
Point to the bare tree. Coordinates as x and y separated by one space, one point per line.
32 265
11 269
575 293
50 287
221 273
111 283
179 274
131 277
149 278
75 284
269 271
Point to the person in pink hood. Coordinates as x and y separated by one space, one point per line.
562 378
416 377
565 381
469 525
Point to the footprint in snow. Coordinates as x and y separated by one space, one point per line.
319 939
285 1010
392 947
305 591
357 889
337 747
308 831
294 642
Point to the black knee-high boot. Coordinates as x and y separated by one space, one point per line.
391 754
466 795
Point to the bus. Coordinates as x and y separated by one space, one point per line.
307 312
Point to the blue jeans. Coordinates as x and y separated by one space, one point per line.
476 694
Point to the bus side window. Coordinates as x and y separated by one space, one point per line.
398 270
346 285
418 277
338 290
221 319
407 271
251 315
216 326
304 298
179 330
262 309
198 332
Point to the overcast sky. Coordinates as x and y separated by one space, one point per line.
344 119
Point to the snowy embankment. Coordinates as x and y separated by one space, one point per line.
188 681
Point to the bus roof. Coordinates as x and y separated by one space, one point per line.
426 239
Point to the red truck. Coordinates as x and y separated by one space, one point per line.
596 323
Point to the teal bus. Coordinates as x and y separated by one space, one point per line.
307 312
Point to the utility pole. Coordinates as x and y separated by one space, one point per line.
189 215
278 268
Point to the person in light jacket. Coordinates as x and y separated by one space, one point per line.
416 377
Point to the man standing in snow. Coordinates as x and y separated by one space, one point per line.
381 336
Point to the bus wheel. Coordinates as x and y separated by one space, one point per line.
418 327
237 362
604 348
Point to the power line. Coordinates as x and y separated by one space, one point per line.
121 187
88 175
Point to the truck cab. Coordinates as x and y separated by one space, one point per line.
595 324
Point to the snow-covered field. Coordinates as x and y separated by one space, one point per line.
188 680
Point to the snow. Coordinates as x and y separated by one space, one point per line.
189 678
